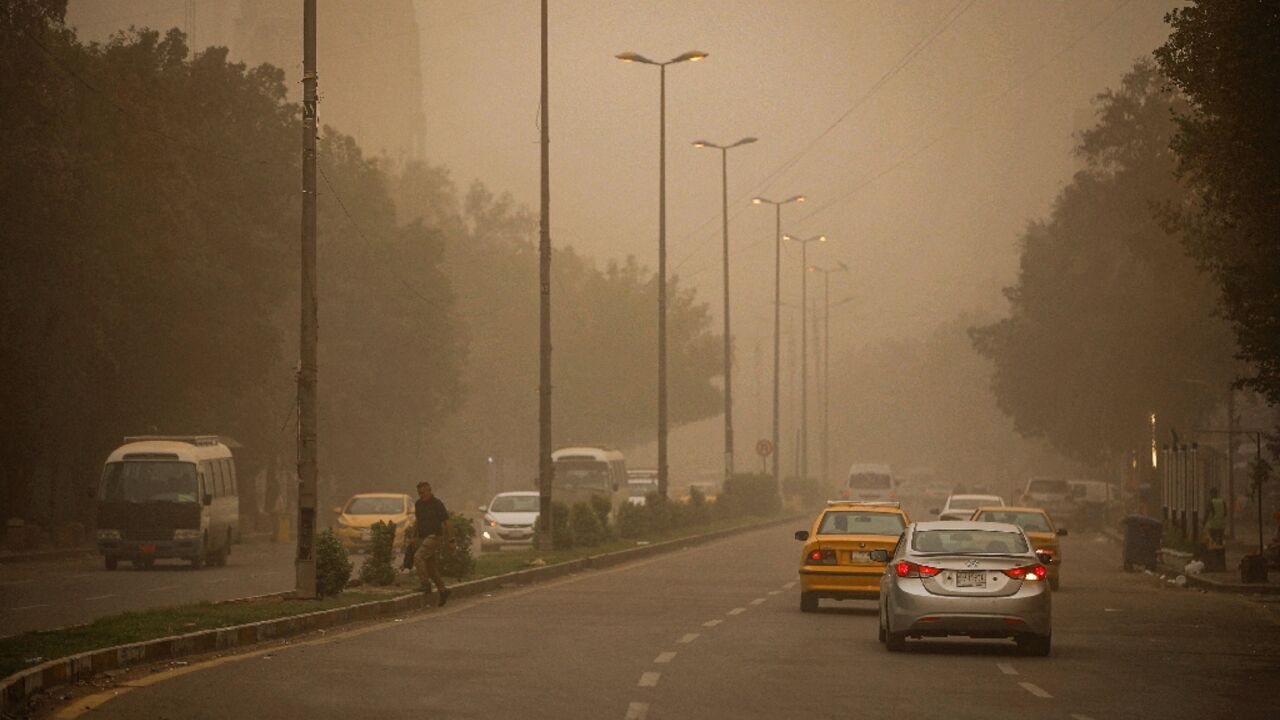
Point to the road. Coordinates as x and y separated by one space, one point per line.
49 594
716 632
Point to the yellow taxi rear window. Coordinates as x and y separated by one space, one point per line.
860 522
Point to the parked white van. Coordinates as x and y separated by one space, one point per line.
168 497
582 473
869 483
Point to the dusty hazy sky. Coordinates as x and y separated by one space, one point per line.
922 187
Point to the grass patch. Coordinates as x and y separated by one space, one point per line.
23 651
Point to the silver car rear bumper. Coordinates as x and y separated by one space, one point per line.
913 610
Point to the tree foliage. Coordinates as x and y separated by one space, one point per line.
1110 321
1225 57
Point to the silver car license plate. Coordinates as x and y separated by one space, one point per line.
858 556
971 579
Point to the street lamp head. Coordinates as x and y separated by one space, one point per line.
814 268
691 56
743 141
822 238
704 143
634 57
757 201
795 198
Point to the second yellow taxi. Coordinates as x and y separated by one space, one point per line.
836 563
1040 530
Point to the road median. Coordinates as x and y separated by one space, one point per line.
84 663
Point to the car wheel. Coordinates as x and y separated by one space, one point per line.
883 636
895 642
111 563
198 561
1053 583
1035 645
808 602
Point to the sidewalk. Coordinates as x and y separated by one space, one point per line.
1228 581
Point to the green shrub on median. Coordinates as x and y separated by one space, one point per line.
333 567
377 569
458 561
588 531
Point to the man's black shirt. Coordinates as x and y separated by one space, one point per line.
431 515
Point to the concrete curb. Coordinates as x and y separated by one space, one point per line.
1211 585
39 555
16 688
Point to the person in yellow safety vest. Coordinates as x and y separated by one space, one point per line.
1215 518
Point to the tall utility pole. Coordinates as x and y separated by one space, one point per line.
545 467
305 563
630 57
1231 461
804 348
728 341
777 325
826 365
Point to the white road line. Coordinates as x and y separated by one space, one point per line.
775 592
215 581
99 597
665 657
737 611
757 601
789 585
1006 668
637 711
1078 716
264 574
163 588
1035 690
29 607
649 679
688 638
82 575
712 623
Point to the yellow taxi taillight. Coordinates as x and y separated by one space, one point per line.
821 556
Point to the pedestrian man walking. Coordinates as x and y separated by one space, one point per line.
434 532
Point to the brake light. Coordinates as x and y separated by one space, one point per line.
908 569
821 556
1029 572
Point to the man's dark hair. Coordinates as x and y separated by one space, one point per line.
424 482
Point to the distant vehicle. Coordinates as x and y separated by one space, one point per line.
961 507
1052 494
357 517
836 563
1095 500
168 497
709 491
582 473
641 482
975 579
510 518
869 483
1040 529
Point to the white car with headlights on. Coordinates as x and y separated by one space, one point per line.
974 579
509 519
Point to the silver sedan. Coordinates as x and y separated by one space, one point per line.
976 579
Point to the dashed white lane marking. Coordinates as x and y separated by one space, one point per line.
649 679
264 574
1078 716
215 581
789 585
688 638
775 592
737 611
82 575
99 597
637 711
29 607
712 623
757 601
1035 690
665 657
163 588
1006 668
11 583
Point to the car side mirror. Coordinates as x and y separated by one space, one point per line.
1044 557
935 511
208 499
802 535
1062 531
880 556
337 511
483 508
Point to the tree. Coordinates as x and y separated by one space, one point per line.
1109 320
1225 57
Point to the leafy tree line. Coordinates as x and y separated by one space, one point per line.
149 275
1110 320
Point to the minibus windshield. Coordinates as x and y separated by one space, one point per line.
149 482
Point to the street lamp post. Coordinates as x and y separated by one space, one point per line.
777 320
728 345
630 57
804 347
826 364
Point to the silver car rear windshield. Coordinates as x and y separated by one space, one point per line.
969 542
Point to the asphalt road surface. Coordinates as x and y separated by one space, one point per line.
716 632
44 595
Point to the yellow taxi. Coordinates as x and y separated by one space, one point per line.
1040 530
836 562
356 518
